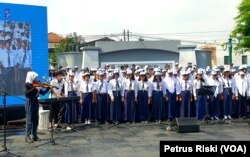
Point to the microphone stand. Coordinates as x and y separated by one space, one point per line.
5 149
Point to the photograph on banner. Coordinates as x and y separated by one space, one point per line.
16 53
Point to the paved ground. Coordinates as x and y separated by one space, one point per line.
124 140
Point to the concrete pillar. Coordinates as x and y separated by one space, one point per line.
187 54
90 57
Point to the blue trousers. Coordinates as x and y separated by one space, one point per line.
201 107
116 107
129 106
158 105
86 106
32 116
227 104
185 104
102 107
71 110
143 109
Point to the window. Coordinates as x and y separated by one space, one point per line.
244 60
226 60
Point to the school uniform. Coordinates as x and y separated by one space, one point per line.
144 93
55 107
116 105
186 91
228 87
158 104
86 90
32 106
103 89
130 92
242 90
71 113
173 89
201 106
213 108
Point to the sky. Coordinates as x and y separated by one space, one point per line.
197 20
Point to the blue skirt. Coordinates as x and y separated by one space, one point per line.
172 107
185 104
116 107
71 110
143 108
158 105
213 106
201 108
227 104
86 106
129 106
102 107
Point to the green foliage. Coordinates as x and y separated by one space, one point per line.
243 26
65 45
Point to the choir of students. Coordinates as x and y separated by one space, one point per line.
142 94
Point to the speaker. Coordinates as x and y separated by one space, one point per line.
184 125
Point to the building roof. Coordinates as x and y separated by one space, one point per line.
55 38
110 46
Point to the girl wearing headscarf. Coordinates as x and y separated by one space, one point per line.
32 106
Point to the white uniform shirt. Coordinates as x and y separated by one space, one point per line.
172 85
58 89
186 85
126 86
147 86
197 84
70 86
216 83
162 87
242 87
87 87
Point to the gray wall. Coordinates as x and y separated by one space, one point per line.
139 55
203 58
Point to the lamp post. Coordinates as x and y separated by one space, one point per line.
229 45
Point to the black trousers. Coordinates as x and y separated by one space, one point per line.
54 112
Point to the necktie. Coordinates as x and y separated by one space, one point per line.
185 85
228 83
117 85
24 58
9 59
100 88
143 85
87 87
130 84
158 85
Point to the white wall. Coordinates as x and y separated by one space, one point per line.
90 58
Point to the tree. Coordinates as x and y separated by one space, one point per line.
69 43
243 26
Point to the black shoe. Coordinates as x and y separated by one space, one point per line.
28 139
36 138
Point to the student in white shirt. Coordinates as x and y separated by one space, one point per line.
158 95
144 97
200 100
103 89
70 89
116 104
214 99
186 95
87 98
129 96
228 84
242 93
172 95
56 92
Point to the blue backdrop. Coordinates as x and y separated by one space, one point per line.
37 17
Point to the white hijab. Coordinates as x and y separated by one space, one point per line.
31 75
